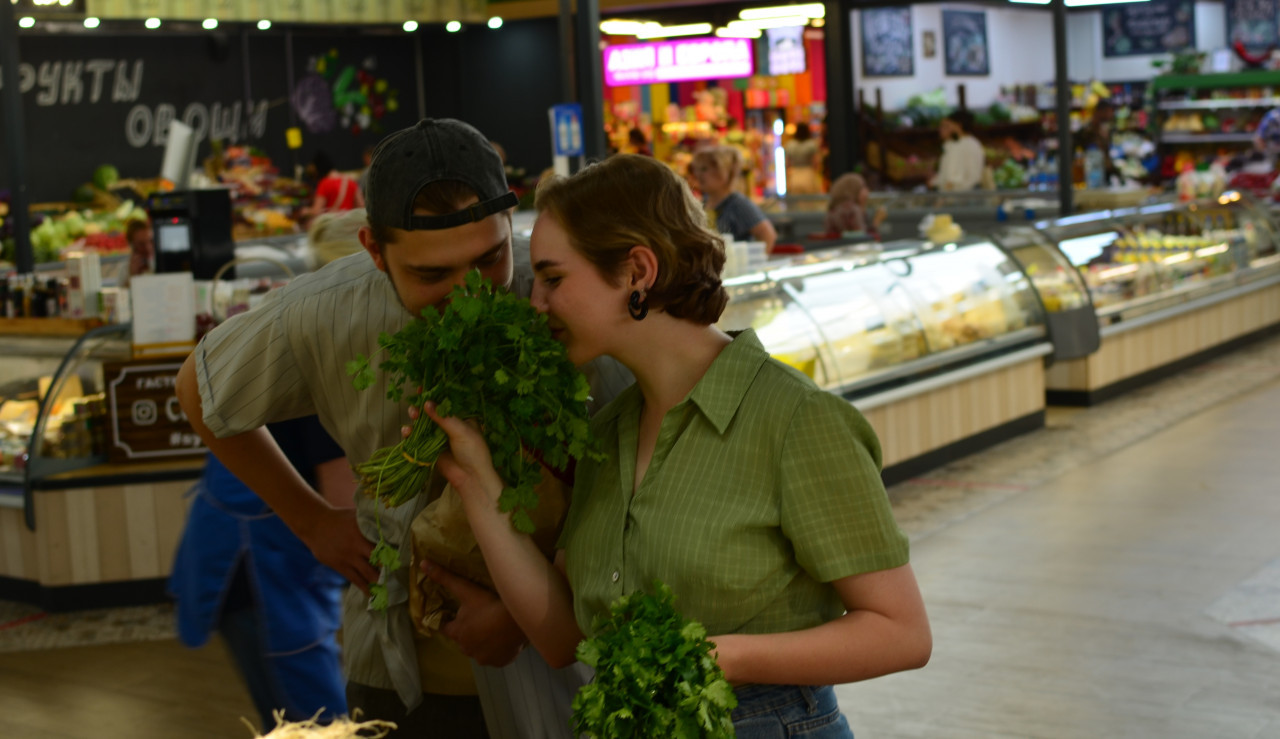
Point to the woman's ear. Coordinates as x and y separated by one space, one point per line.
642 265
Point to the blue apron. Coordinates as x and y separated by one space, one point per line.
297 599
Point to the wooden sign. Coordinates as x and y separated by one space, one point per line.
144 419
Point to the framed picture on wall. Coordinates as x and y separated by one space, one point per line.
964 42
1254 23
929 44
887 47
1153 27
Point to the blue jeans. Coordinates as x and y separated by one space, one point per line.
784 711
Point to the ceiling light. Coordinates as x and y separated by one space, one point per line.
623 28
26 22
811 10
453 26
739 32
1080 3
495 22
264 24
794 20
91 22
1032 2
152 23
410 26
209 24
692 29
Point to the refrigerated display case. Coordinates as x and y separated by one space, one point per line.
942 347
1171 284
79 526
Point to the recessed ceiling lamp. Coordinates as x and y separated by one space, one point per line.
798 20
410 26
26 22
655 30
453 26
739 32
811 10
264 25
623 28
209 24
92 22
152 23
495 23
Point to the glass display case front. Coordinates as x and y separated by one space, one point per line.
854 321
1137 261
52 405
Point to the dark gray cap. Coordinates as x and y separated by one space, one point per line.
434 150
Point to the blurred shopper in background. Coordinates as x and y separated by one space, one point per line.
729 211
242 573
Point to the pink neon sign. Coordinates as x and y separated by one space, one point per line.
675 61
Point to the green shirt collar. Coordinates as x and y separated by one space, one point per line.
720 391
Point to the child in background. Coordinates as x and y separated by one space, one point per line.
847 207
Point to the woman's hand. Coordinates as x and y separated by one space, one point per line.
467 463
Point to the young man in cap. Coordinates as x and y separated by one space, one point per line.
438 206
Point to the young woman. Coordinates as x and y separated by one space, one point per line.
716 170
732 478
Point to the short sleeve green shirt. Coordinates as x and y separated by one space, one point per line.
762 490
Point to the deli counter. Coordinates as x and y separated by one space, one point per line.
1171 284
942 347
95 459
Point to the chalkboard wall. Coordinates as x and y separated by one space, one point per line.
107 99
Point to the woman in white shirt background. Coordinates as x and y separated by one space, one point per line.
963 158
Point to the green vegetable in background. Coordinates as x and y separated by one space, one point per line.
105 176
490 357
655 676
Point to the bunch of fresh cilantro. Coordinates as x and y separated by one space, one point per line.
489 356
655 676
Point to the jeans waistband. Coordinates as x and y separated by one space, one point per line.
760 698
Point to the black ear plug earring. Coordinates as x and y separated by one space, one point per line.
638 306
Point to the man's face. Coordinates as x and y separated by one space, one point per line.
424 266
144 242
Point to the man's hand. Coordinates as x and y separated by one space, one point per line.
335 539
483 629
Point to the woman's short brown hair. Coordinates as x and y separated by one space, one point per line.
628 200
726 159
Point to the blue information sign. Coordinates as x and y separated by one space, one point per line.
566 130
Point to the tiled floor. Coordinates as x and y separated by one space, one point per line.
1116 574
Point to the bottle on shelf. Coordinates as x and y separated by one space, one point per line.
1094 168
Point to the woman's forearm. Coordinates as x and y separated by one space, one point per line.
856 646
534 591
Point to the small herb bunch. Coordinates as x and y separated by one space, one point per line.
655 676
490 357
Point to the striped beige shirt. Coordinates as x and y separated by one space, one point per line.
285 359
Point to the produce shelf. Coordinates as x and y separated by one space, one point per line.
1206 138
1224 104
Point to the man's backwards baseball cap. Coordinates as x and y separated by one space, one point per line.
434 150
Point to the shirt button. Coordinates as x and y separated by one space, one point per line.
615 576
